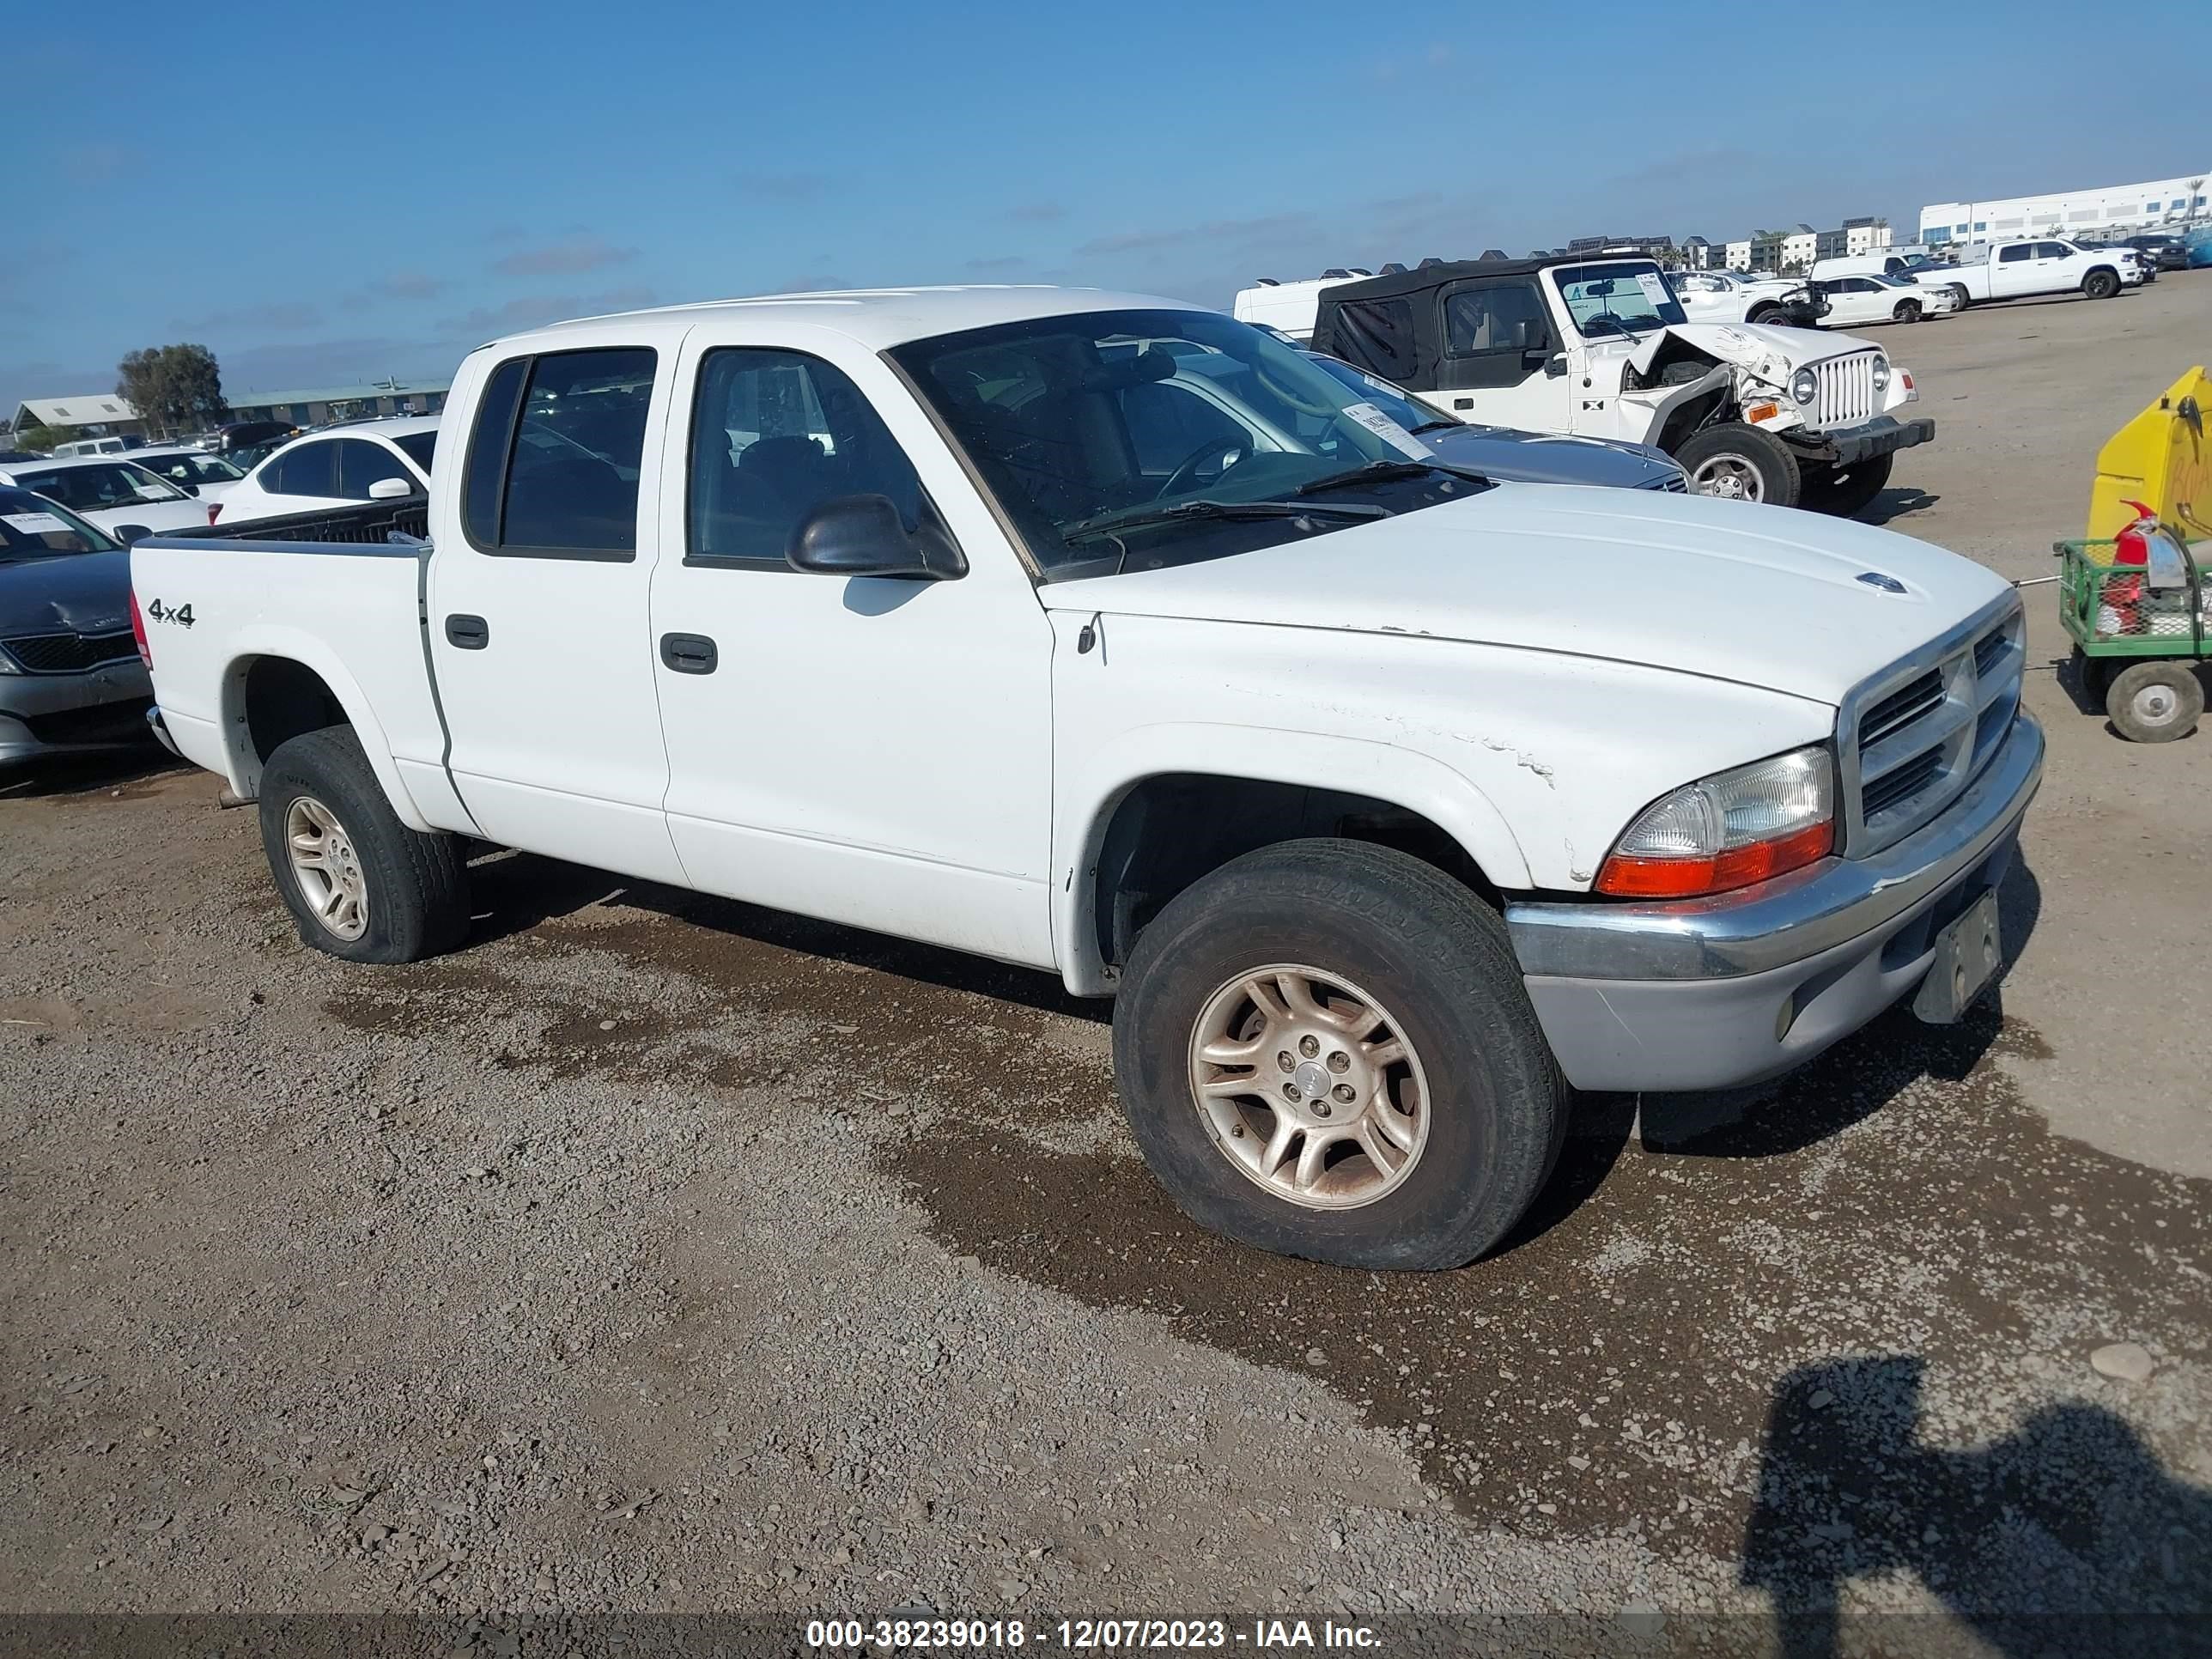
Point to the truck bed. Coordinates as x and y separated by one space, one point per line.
338 591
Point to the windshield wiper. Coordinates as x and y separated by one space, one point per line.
1384 472
1442 424
1132 518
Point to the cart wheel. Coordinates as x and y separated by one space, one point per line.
2155 702
2094 675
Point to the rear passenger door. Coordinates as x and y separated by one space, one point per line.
537 594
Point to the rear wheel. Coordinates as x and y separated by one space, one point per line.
1845 491
1739 463
2155 702
2100 284
1325 1049
360 884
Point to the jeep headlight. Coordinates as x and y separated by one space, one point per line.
1804 385
1882 374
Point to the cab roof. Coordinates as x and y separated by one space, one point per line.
880 318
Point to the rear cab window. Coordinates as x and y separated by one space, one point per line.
554 458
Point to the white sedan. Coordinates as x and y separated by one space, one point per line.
1729 296
1859 301
339 466
193 470
115 493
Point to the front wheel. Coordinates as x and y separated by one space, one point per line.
1908 311
1964 298
1325 1049
2100 285
360 884
1739 463
1844 492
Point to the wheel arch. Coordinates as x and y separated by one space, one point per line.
1151 820
280 684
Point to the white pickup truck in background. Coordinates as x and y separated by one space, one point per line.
2043 265
1120 640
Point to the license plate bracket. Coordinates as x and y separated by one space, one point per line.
1969 956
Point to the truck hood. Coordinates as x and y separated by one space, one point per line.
1507 454
69 594
1763 596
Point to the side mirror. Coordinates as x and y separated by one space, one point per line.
130 534
391 489
864 536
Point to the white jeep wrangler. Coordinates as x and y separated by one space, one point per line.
1602 347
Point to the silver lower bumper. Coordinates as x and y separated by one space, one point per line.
1707 993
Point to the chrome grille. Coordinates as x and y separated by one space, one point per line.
1677 485
1911 739
1847 396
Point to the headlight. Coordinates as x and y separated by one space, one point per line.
1804 385
1727 830
1882 374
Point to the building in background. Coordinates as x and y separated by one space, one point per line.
1654 247
1800 247
1698 254
341 402
2112 208
1737 255
1865 235
86 415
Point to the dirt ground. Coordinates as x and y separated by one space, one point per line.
660 1255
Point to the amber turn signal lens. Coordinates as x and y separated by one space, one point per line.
1625 877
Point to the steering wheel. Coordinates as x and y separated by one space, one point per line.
1227 450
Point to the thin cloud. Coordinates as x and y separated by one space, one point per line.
784 186
279 317
409 285
569 257
1036 213
1244 233
536 310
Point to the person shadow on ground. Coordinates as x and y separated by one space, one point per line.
2065 1537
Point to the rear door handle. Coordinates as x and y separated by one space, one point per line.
688 653
467 633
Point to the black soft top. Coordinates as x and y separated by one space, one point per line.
1377 323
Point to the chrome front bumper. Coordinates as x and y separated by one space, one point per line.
1703 994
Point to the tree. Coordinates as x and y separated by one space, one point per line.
40 440
175 388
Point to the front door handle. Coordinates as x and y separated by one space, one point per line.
688 653
467 633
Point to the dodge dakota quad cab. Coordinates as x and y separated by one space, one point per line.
1117 639
1603 348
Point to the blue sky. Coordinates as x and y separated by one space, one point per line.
336 191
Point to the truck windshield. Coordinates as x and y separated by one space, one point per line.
1129 439
1623 297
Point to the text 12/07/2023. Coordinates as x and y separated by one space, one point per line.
1084 1635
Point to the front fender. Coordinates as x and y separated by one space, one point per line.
243 768
1094 789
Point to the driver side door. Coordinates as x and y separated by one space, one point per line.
1502 362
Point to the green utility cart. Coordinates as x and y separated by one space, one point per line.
2136 649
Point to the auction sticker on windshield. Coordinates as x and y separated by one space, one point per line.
32 524
1389 431
1654 286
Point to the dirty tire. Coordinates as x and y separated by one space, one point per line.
2155 702
1847 491
1908 311
1437 959
2100 284
1769 314
1719 454
417 884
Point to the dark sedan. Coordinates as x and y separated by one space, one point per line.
70 677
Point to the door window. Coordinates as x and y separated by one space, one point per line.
2052 250
554 461
1490 330
310 470
775 435
362 464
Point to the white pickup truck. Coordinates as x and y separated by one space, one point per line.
1118 639
1603 348
2023 269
